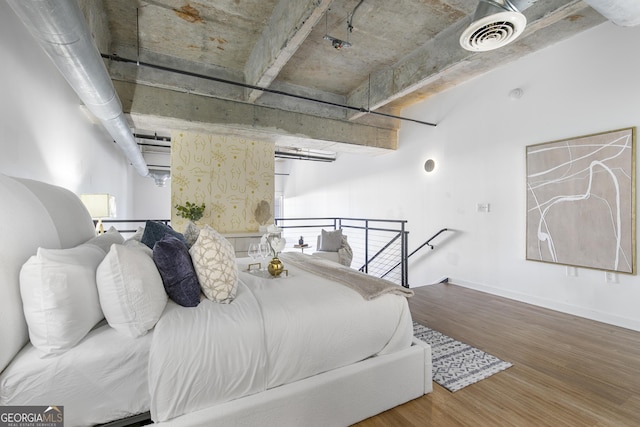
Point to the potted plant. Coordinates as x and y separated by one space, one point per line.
190 211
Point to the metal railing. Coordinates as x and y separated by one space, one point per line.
379 245
129 226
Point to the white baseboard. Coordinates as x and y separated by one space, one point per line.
552 305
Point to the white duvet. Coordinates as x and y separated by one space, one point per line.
275 332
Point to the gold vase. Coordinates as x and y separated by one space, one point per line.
275 267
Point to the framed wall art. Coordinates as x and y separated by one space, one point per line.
581 201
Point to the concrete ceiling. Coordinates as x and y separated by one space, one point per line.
174 63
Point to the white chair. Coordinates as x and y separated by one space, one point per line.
333 245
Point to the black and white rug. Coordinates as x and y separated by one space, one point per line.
455 364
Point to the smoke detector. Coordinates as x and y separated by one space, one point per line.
496 23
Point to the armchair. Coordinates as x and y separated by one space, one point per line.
333 245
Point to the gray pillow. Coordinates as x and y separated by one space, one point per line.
155 231
330 241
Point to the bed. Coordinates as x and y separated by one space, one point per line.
297 349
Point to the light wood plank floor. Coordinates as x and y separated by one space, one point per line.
567 371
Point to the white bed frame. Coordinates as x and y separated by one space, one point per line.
54 217
336 398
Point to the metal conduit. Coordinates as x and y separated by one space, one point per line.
61 30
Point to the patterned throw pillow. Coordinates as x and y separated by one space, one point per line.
215 263
191 233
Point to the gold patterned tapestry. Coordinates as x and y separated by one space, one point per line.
230 175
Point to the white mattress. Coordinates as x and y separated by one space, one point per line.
103 378
276 331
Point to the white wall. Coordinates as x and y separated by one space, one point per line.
45 135
584 85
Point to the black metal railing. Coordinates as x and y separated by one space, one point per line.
380 246
426 243
129 226
377 244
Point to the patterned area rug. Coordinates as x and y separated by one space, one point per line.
455 364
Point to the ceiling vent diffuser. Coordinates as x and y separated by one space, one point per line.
495 23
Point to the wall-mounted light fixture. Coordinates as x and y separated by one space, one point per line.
429 165
516 93
99 206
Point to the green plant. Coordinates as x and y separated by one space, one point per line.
190 211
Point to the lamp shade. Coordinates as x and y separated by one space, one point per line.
99 205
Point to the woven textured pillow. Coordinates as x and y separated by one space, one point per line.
215 263
176 269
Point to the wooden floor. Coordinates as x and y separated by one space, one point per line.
567 371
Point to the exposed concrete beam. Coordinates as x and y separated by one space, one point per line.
154 108
442 57
621 12
288 27
206 86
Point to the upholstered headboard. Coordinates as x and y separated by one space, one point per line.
33 214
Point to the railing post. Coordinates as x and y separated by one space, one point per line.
405 262
366 246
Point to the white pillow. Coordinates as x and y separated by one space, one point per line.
131 292
214 260
106 239
137 244
60 297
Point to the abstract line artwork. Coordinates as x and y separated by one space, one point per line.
581 201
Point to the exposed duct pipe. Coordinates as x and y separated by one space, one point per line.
61 30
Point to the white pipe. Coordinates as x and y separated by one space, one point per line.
61 30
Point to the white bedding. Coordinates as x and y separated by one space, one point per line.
103 378
275 332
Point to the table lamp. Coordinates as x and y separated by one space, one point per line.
99 206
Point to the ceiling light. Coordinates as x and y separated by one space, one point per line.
337 43
496 23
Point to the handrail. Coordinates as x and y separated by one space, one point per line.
419 247
427 243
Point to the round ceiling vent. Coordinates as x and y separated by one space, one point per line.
494 25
